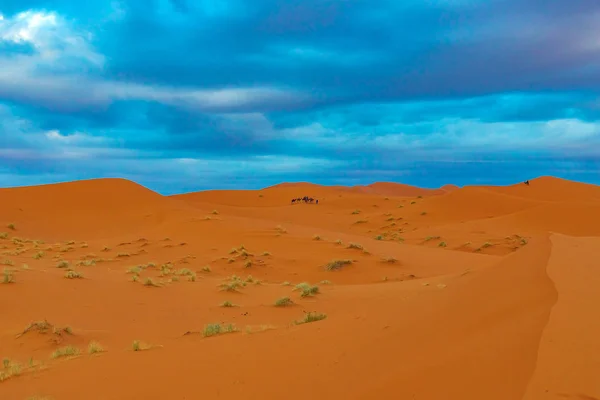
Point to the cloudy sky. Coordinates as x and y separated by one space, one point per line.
184 95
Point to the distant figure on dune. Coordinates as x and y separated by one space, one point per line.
317 201
527 182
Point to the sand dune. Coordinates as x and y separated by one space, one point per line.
466 293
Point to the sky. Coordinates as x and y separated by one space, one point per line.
185 95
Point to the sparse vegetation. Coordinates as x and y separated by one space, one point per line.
123 255
284 302
311 317
325 282
428 238
3 235
38 255
442 244
486 245
135 278
280 229
265 253
378 237
73 275
137 346
134 270
413 202
361 221
105 248
150 283
286 283
306 289
227 304
316 237
214 212
8 277
8 262
247 264
355 246
63 264
390 260
355 212
12 227
339 242
95 347
424 213
217 329
337 264
10 370
523 241
67 351
206 268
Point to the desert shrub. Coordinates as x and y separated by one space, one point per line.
217 329
73 275
283 302
355 246
95 347
66 351
337 264
312 317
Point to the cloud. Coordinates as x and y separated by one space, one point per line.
236 93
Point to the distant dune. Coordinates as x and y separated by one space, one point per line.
471 293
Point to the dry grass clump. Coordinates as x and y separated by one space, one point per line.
214 212
121 255
486 245
361 221
86 263
95 347
227 304
280 229
265 253
390 260
311 317
8 262
316 237
307 289
67 351
379 237
355 246
135 270
73 275
217 329
355 212
247 264
139 346
11 369
38 255
63 264
206 268
191 275
442 244
150 283
12 227
337 264
428 238
3 235
283 302
7 276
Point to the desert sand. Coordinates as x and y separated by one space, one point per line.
113 291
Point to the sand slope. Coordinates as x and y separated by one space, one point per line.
454 293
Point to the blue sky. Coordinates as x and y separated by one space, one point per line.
183 95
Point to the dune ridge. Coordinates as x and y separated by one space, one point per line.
475 292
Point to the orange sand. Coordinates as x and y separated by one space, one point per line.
475 293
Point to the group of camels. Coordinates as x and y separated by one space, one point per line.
305 199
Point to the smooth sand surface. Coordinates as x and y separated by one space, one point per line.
475 293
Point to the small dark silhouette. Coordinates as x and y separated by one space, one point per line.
317 201
527 182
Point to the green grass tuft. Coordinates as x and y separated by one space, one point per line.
306 289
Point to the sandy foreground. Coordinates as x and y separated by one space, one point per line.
112 291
